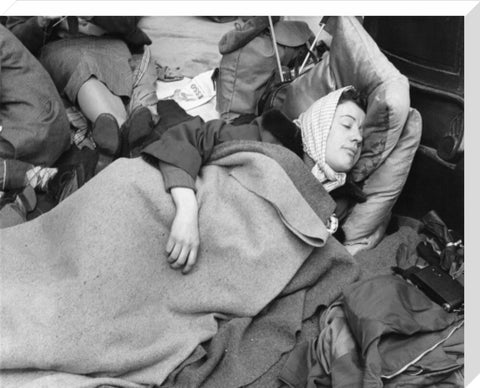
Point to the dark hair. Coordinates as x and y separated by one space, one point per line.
353 95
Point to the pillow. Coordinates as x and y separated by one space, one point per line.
355 59
365 225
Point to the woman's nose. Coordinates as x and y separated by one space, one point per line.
357 134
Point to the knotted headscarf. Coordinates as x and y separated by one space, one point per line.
315 124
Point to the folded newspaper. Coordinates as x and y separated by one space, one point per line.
198 91
196 96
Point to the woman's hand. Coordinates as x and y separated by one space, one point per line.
183 242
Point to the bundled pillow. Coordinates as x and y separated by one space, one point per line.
355 59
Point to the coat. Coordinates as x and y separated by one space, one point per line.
32 116
187 146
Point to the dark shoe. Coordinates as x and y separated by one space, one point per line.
67 180
85 156
106 134
136 129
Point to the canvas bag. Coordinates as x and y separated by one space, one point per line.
243 74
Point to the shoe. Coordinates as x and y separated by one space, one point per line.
136 129
67 180
106 134
85 156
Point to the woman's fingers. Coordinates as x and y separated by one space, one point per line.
192 258
181 259
170 245
182 256
174 253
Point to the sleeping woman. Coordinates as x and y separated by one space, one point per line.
328 136
88 290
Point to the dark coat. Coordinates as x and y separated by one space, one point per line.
187 146
32 116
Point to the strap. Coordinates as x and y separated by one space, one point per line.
322 26
275 47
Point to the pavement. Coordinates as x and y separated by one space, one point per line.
191 42
187 42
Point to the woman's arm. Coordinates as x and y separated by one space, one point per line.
183 241
187 146
180 153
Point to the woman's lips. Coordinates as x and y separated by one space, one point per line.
351 150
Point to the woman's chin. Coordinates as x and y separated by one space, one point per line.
344 165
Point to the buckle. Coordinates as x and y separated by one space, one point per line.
332 224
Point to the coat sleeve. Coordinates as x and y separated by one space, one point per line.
184 148
27 30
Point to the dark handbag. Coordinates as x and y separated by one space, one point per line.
277 86
437 284
276 90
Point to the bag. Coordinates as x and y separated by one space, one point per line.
437 284
278 86
244 73
276 90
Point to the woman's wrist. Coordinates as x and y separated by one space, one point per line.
184 199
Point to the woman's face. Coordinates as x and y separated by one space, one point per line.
344 142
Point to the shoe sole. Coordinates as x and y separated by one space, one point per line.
106 135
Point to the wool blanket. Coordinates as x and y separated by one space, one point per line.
88 298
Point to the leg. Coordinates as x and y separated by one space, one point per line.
94 98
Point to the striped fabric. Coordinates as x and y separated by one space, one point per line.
315 124
38 177
80 128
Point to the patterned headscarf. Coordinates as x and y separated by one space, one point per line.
315 124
